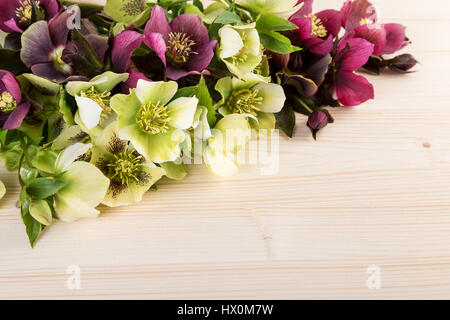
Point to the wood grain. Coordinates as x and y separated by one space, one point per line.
373 190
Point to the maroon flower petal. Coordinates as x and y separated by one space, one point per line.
304 27
50 7
11 24
374 33
191 24
123 46
155 41
7 13
133 78
353 12
16 117
58 26
47 70
352 89
9 83
36 44
320 46
355 57
158 23
305 10
201 60
331 20
395 37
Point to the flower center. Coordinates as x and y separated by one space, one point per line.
7 102
102 99
244 101
125 166
317 28
243 54
58 62
179 48
25 12
133 7
153 118
364 21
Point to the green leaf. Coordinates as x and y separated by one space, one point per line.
32 227
27 174
10 60
286 119
85 61
228 17
204 99
12 157
174 171
42 188
40 211
268 23
276 42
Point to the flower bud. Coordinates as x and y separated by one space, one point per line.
316 121
402 63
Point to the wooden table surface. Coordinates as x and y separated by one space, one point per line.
373 190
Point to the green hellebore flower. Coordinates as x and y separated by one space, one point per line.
129 173
279 8
93 97
252 97
129 11
240 48
151 122
86 187
231 135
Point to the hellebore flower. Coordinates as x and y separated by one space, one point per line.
152 122
12 109
129 173
183 45
231 134
93 97
86 187
43 45
279 8
240 48
317 31
255 98
359 18
351 89
17 15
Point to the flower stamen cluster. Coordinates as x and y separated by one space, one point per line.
7 102
101 98
25 12
245 101
126 166
317 28
153 118
179 48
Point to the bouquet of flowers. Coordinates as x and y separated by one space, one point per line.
98 103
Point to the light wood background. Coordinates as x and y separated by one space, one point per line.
373 190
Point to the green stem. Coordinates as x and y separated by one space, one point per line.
25 149
304 105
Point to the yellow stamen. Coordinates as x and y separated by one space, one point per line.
179 48
317 28
153 118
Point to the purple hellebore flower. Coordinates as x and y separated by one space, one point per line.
43 45
349 88
12 108
183 45
359 19
16 15
317 31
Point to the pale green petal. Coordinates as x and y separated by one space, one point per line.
252 41
201 126
104 139
2 189
225 87
273 97
232 133
181 112
126 107
213 11
134 191
44 85
69 155
90 111
85 190
230 42
155 91
220 163
106 81
174 171
157 148
67 136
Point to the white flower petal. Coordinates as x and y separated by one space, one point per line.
89 111
69 155
230 42
273 97
156 91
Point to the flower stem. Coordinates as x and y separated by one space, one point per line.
25 149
